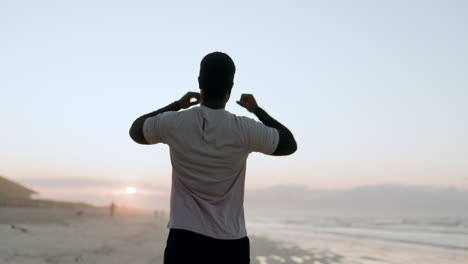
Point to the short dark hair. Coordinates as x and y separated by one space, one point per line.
216 75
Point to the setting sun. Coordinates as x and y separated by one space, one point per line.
130 190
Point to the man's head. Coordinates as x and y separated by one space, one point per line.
216 76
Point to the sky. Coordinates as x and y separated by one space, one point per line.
375 92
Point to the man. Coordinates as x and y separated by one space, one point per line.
209 147
112 208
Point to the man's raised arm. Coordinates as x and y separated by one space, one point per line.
136 130
287 144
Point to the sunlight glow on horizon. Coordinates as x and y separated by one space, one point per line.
130 190
127 190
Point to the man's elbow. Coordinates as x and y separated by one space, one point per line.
133 135
136 133
291 145
285 148
293 148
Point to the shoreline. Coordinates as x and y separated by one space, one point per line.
49 236
364 250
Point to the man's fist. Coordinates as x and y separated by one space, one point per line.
186 100
248 102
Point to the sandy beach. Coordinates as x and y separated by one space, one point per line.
61 236
39 236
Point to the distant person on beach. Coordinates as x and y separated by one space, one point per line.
209 147
112 208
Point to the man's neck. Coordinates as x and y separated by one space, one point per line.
214 104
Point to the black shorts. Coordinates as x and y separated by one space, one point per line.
192 248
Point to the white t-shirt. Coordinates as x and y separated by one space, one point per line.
209 149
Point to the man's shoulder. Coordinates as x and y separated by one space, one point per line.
182 115
194 111
186 112
169 115
242 121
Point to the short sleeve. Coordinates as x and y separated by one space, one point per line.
259 137
156 128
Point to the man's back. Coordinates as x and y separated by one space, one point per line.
209 148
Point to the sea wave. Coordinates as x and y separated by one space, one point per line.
444 232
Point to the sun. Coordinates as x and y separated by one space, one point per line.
130 190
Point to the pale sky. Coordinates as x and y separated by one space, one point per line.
375 92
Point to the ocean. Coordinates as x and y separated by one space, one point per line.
440 232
